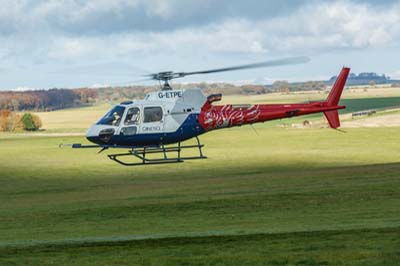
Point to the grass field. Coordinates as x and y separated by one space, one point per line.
265 196
284 196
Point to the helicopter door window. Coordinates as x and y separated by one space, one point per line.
132 117
152 114
126 131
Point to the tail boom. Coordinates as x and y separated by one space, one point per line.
222 116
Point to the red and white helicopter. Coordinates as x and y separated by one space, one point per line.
172 116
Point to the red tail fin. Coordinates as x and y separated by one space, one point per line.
337 89
334 98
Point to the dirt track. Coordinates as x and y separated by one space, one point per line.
390 120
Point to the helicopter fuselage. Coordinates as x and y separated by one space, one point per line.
163 117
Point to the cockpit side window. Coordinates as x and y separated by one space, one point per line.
152 114
132 117
113 117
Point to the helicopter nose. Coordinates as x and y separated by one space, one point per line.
99 134
92 135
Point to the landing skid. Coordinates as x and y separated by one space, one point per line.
141 153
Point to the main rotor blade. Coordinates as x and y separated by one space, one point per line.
132 82
279 62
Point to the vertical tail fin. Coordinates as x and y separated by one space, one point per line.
334 98
337 89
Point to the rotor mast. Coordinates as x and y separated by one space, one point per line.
166 77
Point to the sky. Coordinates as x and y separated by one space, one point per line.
75 43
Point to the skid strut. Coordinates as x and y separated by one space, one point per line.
142 152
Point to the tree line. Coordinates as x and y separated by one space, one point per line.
45 100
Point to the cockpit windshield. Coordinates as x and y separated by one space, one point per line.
113 117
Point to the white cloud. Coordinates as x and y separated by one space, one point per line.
66 12
147 32
395 75
335 25
24 89
99 85
316 27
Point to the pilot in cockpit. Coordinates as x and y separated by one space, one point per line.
117 119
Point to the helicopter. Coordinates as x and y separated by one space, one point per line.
147 127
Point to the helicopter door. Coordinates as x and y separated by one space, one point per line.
131 122
153 120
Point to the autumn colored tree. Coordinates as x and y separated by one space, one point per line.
8 120
37 121
4 118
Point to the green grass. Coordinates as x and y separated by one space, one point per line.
355 105
284 196
351 247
